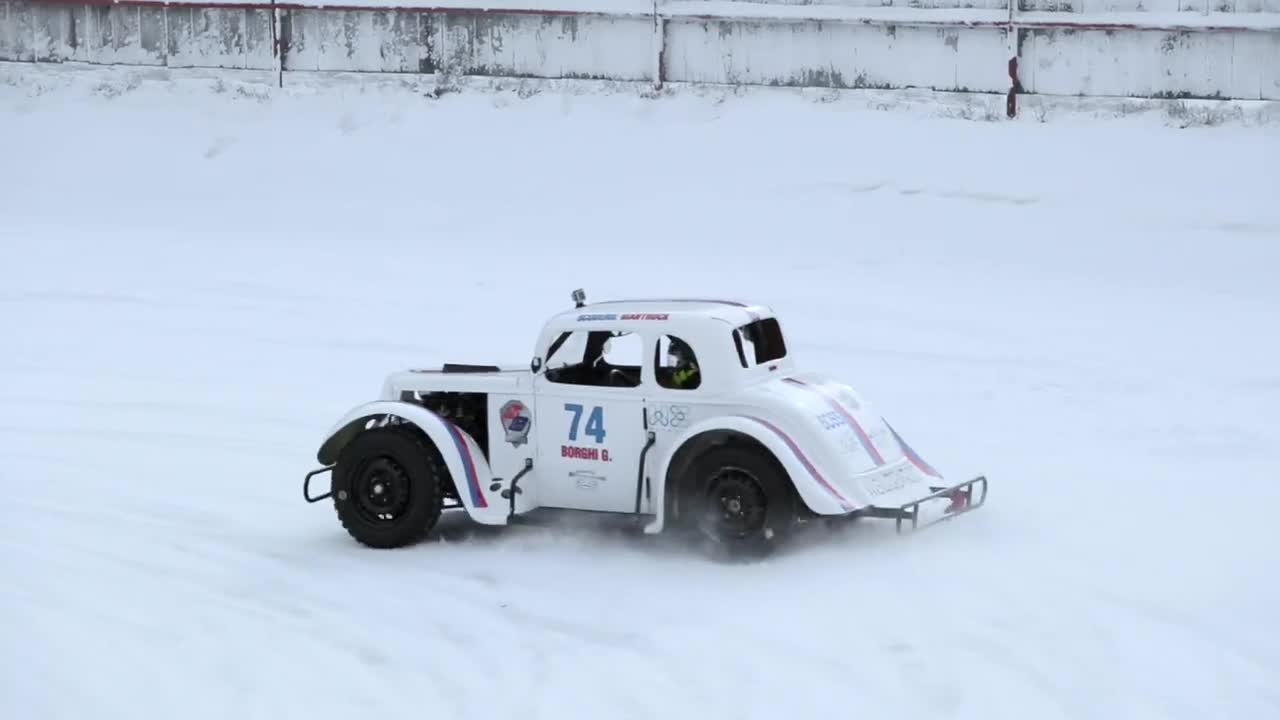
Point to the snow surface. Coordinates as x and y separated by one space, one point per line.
199 277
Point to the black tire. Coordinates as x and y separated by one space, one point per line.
385 488
741 501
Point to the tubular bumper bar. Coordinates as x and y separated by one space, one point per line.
962 501
306 485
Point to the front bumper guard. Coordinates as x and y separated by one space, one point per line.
962 501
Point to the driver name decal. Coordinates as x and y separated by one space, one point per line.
574 452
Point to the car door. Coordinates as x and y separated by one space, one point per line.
591 430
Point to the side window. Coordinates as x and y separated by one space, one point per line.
676 365
600 358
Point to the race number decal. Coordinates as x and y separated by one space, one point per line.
595 422
594 428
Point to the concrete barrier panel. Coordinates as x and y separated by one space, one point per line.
361 40
1151 63
405 40
918 4
1155 9
115 36
19 36
1257 65
51 26
551 46
214 38
840 55
1110 6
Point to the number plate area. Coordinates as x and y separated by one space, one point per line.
892 484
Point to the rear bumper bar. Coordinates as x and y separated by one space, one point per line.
961 496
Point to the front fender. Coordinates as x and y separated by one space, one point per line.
818 492
462 454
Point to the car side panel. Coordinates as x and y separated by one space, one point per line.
514 421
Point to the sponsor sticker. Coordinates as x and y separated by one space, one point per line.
831 420
668 417
516 421
890 481
590 317
586 480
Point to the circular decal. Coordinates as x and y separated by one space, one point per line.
516 421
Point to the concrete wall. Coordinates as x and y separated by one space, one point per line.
1170 48
1151 63
137 35
1153 7
518 45
841 55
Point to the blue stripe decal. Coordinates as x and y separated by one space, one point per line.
473 484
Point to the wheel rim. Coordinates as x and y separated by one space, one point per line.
381 490
736 504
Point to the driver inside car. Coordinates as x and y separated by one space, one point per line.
680 356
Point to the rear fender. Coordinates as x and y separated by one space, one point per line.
462 454
819 493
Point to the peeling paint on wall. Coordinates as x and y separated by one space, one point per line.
133 35
469 43
567 47
7 28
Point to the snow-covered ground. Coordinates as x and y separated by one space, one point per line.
198 278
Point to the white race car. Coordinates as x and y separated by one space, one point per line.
682 413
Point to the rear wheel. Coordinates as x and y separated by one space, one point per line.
385 488
742 500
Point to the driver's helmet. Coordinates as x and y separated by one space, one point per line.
680 356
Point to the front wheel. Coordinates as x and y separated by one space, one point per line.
385 489
744 503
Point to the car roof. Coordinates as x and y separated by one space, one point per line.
733 312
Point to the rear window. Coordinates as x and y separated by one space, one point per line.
759 342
